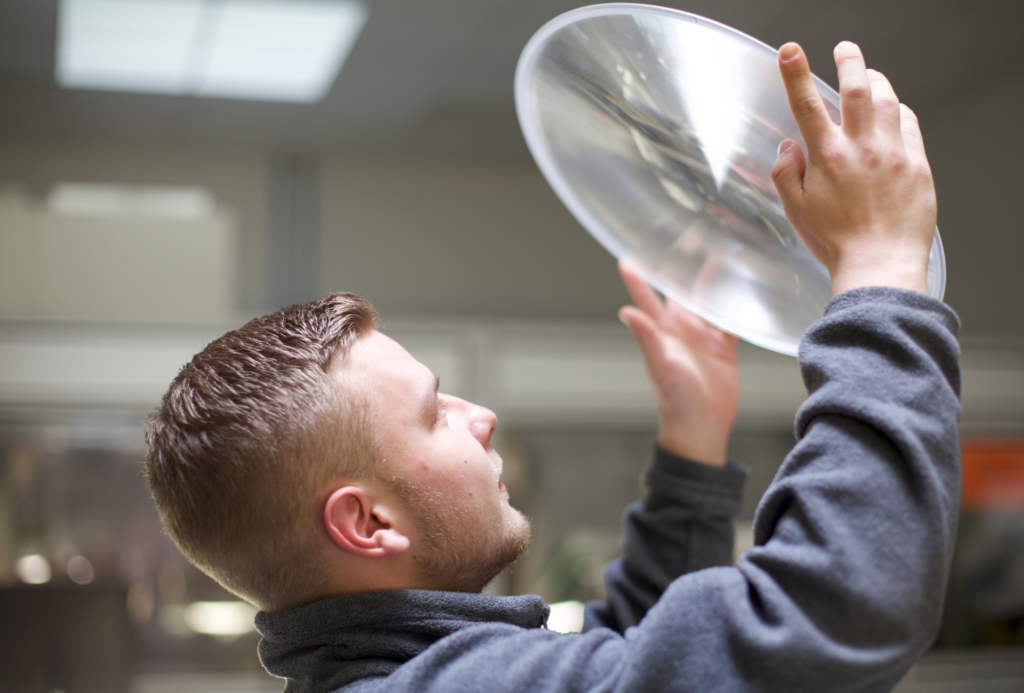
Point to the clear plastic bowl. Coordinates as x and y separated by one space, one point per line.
658 129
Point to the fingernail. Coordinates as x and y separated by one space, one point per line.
785 146
788 52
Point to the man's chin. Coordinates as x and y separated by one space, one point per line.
512 545
517 539
466 570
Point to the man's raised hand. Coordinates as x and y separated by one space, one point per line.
862 199
692 367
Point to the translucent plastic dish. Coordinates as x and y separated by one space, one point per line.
658 129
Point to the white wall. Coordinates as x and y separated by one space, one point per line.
114 267
237 178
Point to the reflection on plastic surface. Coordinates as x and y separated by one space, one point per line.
658 130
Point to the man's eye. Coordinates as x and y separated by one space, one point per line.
439 417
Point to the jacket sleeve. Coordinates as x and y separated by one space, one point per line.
853 539
683 524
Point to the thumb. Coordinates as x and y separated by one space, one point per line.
788 173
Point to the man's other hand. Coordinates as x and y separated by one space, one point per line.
692 367
863 199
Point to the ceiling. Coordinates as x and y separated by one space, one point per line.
424 69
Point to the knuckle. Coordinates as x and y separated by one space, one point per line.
880 156
857 91
868 155
898 159
807 104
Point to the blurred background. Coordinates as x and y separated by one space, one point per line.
148 207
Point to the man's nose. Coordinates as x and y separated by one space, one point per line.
483 421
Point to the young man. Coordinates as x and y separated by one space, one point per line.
309 464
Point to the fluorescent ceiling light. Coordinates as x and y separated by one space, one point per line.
107 200
267 50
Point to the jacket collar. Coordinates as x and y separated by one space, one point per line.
328 644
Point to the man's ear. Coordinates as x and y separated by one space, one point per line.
361 526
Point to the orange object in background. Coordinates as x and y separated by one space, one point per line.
993 474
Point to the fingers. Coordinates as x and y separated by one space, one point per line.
654 318
867 100
855 90
886 105
645 298
788 174
689 325
804 100
913 142
645 331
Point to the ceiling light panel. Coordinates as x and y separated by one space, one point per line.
123 45
112 200
269 50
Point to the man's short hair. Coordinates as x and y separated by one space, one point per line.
248 435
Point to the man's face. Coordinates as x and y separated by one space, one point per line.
438 458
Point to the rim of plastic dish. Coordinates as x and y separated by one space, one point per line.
538 147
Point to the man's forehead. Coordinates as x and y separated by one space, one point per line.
375 344
394 384
380 357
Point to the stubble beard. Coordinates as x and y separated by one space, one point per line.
451 554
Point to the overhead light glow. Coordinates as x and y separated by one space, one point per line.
33 569
267 50
220 618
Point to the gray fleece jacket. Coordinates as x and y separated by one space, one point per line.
841 592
